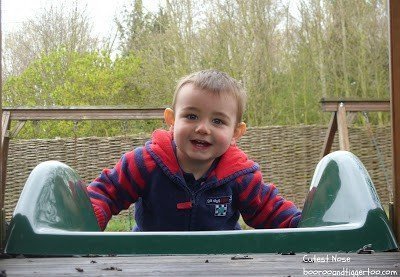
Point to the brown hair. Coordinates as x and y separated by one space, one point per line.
216 82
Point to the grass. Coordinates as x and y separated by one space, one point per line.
120 224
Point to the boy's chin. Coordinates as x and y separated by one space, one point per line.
201 159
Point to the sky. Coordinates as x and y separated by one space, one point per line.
14 12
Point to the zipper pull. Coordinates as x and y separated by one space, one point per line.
184 205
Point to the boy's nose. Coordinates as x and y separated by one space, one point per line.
203 128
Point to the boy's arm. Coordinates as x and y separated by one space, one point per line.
117 188
262 207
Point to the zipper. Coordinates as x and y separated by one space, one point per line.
189 204
193 201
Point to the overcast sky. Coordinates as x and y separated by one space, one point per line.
101 11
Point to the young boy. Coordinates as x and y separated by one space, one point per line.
194 177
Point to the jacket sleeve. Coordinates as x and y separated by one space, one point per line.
117 188
262 207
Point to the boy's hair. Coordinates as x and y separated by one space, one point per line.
216 82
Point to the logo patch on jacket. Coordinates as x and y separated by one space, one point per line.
220 210
220 203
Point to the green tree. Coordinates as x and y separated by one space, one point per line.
65 78
286 62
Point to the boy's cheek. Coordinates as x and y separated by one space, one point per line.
225 139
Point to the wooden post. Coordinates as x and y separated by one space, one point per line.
394 10
344 143
339 109
2 186
5 141
330 135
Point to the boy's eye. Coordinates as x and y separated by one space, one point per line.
191 116
217 121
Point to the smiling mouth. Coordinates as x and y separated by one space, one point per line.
200 143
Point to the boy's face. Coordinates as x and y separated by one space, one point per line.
204 125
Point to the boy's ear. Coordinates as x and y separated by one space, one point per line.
239 132
169 117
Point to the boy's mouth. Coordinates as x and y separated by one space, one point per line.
200 143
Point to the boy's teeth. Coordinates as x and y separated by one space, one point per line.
200 142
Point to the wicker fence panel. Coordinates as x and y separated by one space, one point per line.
287 155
